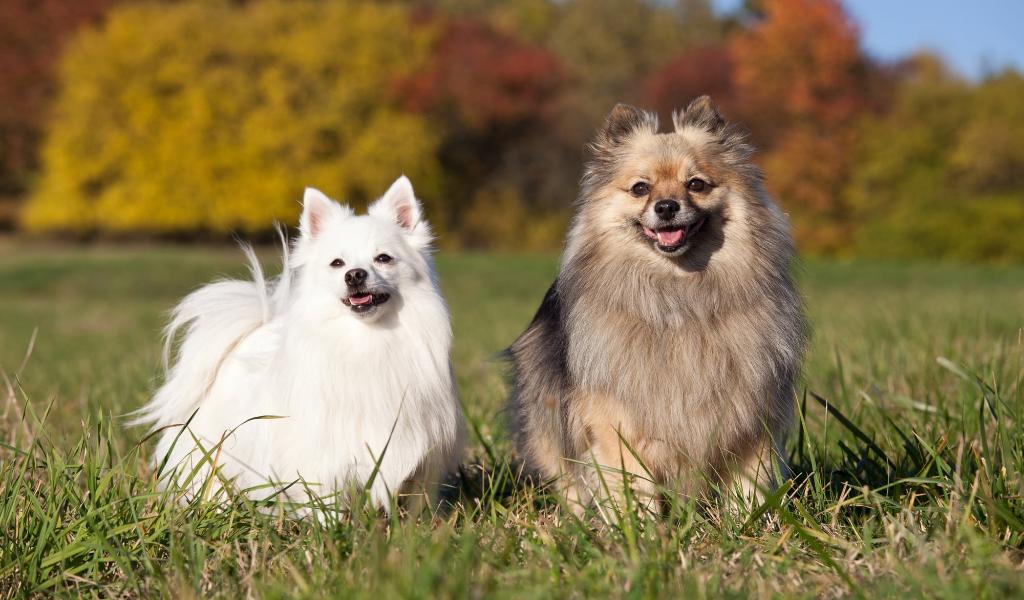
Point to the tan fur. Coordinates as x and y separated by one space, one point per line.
615 448
688 356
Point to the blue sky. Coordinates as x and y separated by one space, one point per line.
974 36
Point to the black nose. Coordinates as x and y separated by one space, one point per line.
355 277
666 209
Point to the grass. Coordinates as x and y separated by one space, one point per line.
907 460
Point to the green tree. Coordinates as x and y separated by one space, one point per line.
212 116
939 175
609 45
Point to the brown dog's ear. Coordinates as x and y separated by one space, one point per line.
624 121
702 114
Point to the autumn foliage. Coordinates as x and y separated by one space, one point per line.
486 91
485 79
209 116
32 35
802 80
707 70
942 173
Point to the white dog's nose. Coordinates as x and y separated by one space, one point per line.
355 277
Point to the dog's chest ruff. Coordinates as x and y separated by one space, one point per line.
351 404
702 379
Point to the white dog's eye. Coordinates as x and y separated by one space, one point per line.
383 259
337 263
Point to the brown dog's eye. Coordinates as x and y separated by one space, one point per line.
337 263
696 185
383 259
640 189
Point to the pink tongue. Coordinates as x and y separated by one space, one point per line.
360 300
671 237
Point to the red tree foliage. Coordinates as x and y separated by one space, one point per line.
486 79
496 100
705 70
31 36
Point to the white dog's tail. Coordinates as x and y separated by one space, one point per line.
211 322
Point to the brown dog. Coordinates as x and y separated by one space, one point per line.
668 345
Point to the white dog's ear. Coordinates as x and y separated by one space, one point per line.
399 204
317 208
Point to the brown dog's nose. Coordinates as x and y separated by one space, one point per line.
355 277
666 209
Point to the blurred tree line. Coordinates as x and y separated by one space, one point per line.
31 36
202 117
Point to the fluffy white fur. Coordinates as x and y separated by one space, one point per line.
353 390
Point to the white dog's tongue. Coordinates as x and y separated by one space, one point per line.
361 300
671 237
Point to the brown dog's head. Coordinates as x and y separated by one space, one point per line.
676 193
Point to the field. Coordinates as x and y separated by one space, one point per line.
907 484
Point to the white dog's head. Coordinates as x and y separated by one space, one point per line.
359 265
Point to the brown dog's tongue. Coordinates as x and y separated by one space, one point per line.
671 237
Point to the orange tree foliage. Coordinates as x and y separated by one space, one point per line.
495 99
32 33
803 83
212 116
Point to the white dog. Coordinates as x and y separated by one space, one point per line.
349 346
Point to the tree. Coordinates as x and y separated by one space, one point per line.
609 45
704 70
484 79
212 116
939 175
804 83
32 34
495 100
989 153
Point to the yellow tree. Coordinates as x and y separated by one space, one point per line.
212 116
